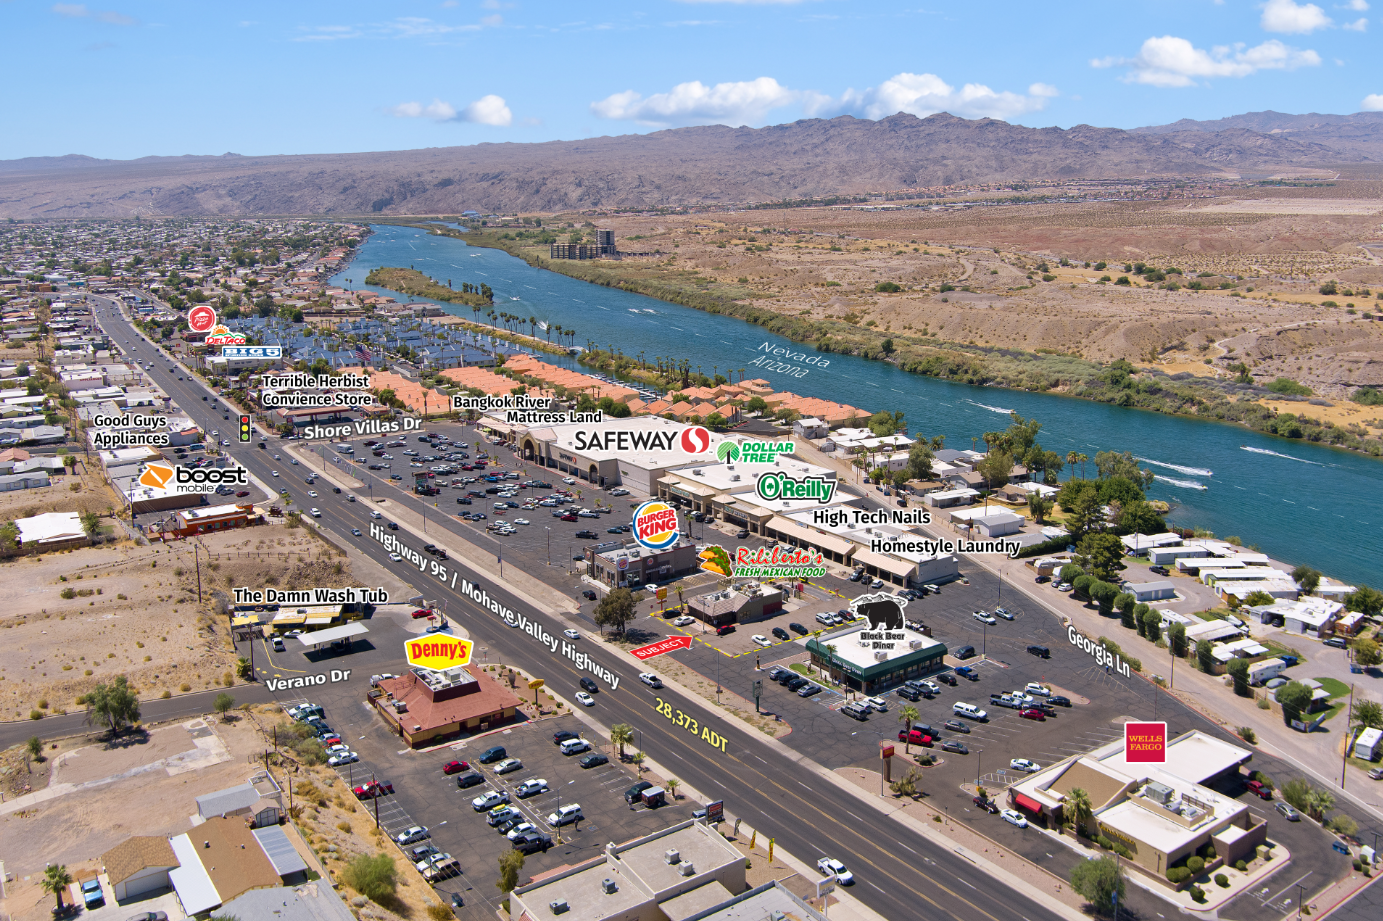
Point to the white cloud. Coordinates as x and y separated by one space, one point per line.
695 103
1359 25
487 110
927 94
1172 61
1372 103
79 11
748 2
1359 6
1292 18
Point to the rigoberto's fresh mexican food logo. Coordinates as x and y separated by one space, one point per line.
438 652
655 525
753 452
764 563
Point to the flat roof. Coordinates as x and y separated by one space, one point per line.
850 648
279 850
1193 756
332 634
195 889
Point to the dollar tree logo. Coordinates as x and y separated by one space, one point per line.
728 451
754 452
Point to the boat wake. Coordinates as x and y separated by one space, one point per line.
993 409
1194 471
1300 460
1184 484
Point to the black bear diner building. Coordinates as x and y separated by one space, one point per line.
861 663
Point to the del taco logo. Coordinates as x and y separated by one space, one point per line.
438 653
184 480
221 335
655 525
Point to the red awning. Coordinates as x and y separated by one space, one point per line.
1024 802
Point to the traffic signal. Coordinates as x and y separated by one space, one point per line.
245 429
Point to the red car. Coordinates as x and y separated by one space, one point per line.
373 788
915 736
1033 715
455 767
724 629
1259 788
422 612
568 517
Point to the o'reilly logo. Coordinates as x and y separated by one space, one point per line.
773 486
185 480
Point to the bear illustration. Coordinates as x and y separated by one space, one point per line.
884 612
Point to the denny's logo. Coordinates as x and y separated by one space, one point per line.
156 476
438 653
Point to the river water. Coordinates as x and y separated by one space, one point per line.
1299 502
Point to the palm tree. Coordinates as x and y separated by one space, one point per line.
1071 458
672 786
621 734
1081 810
56 879
908 715
1082 458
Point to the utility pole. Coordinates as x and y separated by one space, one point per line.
197 556
374 789
1344 756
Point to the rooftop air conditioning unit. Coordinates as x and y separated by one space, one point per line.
687 869
698 472
558 906
672 856
609 886
880 655
734 478
915 644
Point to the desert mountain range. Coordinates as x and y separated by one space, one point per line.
813 157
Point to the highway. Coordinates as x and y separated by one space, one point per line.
900 873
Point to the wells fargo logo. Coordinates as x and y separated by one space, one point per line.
438 653
221 335
156 476
1145 743
655 525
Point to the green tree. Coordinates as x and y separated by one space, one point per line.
1295 699
1257 599
1110 464
1239 671
1103 594
1366 600
920 458
1126 602
113 705
1040 506
1140 517
1099 881
908 715
621 734
55 881
1081 812
884 423
1319 802
1082 584
1205 656
995 467
615 610
1176 639
373 877
510 866
1083 510
1306 578
223 704
1366 651
1366 713
1151 621
756 405
1069 572
34 747
1100 554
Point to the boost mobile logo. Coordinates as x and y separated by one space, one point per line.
158 476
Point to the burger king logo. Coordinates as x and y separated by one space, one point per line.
655 525
156 476
696 440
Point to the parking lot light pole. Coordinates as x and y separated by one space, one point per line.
549 544
979 765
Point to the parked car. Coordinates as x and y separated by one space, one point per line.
809 690
413 835
985 617
372 789
562 735
565 816
760 640
530 843
988 805
531 788
489 800
92 894
1037 690
491 755
508 766
455 767
593 760
1014 817
965 652
966 671
780 633
1032 714
951 745
1024 765
957 726
914 737
1259 789
471 779
1338 642
1288 812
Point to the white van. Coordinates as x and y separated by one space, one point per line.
970 711
343 449
575 746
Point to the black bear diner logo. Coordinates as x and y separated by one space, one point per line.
884 614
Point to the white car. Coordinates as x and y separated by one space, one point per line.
878 703
273 473
522 521
338 749
829 867
489 800
651 679
1022 698
572 634
312 493
585 699
376 515
508 766
1014 817
396 558
521 829
684 620
412 835
619 492
293 461
355 531
761 640
568 480
346 757
1040 690
1005 613
985 617
1024 765
531 788
315 513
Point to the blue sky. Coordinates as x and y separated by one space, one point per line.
123 78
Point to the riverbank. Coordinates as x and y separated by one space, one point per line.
416 284
1119 383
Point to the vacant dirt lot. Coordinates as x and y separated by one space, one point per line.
133 611
92 493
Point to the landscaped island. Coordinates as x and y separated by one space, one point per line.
416 284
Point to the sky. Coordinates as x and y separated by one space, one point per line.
125 79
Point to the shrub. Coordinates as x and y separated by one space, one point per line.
1247 734
1222 881
68 593
439 912
373 877
1178 874
1344 826
1197 893
1195 865
35 714
1104 842
1240 865
343 826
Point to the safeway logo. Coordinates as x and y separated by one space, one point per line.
696 440
156 476
201 319
668 645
